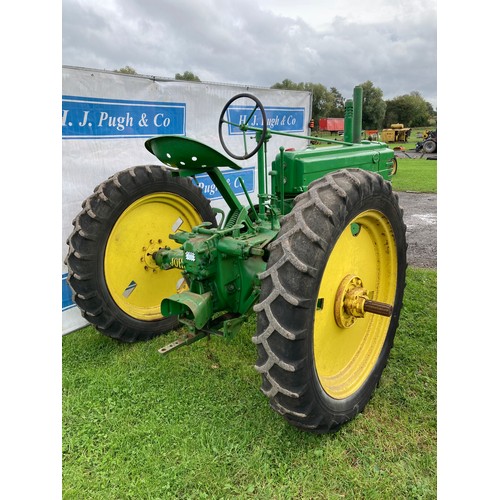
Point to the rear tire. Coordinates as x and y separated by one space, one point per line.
429 147
316 373
114 280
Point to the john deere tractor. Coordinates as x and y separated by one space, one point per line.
320 259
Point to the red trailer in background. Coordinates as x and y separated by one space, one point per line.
331 125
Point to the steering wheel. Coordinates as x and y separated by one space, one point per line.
243 126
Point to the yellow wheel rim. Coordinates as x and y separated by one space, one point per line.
344 356
135 282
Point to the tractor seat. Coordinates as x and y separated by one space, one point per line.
184 153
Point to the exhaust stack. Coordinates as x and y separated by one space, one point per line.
358 115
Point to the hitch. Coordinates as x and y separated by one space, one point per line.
186 340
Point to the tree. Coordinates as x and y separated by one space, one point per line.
338 104
322 101
374 106
127 69
288 85
187 75
412 110
325 103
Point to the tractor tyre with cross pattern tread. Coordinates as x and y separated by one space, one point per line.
319 364
111 272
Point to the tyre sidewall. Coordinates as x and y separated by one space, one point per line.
429 147
353 404
133 184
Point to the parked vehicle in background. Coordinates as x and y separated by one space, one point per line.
429 143
331 125
396 133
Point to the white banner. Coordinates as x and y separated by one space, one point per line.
107 117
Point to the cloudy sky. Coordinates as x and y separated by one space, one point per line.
260 42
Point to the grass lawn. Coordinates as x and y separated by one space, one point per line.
416 175
193 424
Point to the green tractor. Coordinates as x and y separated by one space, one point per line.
320 259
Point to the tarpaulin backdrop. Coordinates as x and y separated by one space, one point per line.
107 117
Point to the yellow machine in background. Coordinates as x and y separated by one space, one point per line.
397 133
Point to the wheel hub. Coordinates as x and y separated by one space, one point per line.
352 301
147 255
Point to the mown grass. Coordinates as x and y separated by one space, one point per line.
193 424
415 175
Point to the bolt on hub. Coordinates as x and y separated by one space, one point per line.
352 301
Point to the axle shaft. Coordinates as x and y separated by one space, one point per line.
372 306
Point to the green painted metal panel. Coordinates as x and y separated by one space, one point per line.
303 167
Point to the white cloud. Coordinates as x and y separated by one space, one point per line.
338 44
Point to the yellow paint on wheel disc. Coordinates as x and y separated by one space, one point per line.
345 357
135 282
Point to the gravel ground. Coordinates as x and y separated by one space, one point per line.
420 217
